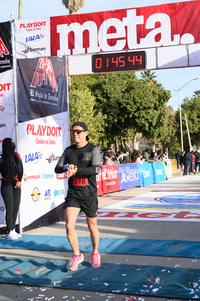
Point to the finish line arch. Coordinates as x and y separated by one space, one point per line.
154 38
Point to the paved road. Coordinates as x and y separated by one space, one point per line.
138 229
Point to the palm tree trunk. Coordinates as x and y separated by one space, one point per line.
117 146
135 136
20 10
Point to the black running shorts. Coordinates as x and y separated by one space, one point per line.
89 207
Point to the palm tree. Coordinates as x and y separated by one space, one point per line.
73 5
196 94
148 76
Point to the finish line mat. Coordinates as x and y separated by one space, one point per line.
115 278
174 248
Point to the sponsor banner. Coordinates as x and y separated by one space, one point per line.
146 173
128 176
43 87
7 109
6 61
7 121
32 38
166 206
99 184
174 167
134 28
168 169
158 171
42 142
110 178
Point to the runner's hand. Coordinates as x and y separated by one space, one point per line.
71 167
69 174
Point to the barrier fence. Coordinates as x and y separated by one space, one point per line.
126 176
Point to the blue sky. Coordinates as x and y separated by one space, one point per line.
170 79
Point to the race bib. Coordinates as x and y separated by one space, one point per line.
80 181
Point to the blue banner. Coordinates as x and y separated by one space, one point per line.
159 174
128 176
146 173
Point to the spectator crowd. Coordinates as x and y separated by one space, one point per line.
188 162
109 157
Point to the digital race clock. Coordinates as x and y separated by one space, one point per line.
124 61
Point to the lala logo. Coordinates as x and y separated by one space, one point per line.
44 73
34 38
34 157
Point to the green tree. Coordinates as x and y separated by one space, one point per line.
170 140
109 92
81 104
131 105
190 107
147 110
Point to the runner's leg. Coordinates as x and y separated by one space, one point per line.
94 232
71 214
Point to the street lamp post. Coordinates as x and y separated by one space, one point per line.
179 97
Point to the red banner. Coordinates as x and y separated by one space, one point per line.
144 27
99 184
108 179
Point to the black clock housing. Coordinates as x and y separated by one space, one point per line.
123 61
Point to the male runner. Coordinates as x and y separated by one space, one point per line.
81 162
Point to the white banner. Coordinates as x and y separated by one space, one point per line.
32 38
42 142
170 40
156 58
7 120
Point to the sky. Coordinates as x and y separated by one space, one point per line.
171 79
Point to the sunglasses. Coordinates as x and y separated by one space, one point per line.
77 132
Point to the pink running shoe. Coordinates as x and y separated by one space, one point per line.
73 265
96 260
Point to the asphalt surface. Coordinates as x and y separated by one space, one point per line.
137 229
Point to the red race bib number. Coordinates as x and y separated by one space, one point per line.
80 181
